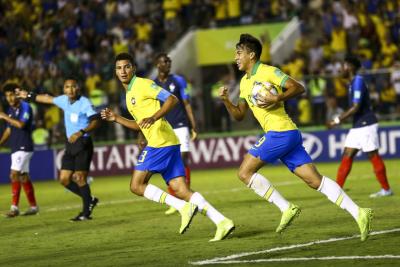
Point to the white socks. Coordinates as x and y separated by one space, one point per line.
206 208
264 189
156 194
336 194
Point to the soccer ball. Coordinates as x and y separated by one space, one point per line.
260 89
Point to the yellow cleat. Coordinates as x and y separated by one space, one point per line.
287 217
224 228
187 213
364 222
170 211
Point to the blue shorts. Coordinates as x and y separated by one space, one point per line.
286 146
166 161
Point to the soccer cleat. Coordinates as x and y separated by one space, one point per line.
80 217
364 222
31 211
224 228
93 204
187 213
382 193
170 211
12 213
287 217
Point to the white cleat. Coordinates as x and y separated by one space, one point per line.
382 193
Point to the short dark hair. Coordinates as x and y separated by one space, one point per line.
160 55
10 87
125 56
71 77
251 43
354 61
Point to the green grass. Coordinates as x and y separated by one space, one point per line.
131 231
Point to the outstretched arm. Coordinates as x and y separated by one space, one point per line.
237 111
30 96
109 115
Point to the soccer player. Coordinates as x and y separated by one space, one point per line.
181 115
162 154
282 140
80 119
19 133
364 133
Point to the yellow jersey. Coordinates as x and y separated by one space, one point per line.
142 102
274 118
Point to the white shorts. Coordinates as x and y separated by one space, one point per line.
363 138
20 161
184 138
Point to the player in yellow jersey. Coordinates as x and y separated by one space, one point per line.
282 140
162 154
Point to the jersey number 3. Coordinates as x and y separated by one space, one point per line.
143 156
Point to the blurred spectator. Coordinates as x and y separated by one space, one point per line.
317 88
40 136
266 48
304 108
395 79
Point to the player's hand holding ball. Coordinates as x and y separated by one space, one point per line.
264 95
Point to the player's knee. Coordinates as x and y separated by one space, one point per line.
24 178
137 189
64 180
14 177
244 175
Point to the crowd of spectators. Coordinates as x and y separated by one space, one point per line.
44 41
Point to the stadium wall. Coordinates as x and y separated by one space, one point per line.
207 153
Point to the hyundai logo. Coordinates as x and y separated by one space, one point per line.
312 144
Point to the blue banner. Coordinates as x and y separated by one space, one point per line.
42 166
327 146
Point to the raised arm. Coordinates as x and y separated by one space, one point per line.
237 111
109 115
30 96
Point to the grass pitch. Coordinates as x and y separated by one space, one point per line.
131 231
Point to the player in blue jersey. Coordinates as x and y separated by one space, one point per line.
364 133
18 132
80 119
162 153
181 116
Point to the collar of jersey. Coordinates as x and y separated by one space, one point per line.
254 69
131 82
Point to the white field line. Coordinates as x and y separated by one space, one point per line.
231 258
327 258
134 199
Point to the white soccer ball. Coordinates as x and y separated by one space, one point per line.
261 89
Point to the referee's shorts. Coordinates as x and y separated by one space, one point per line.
78 155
